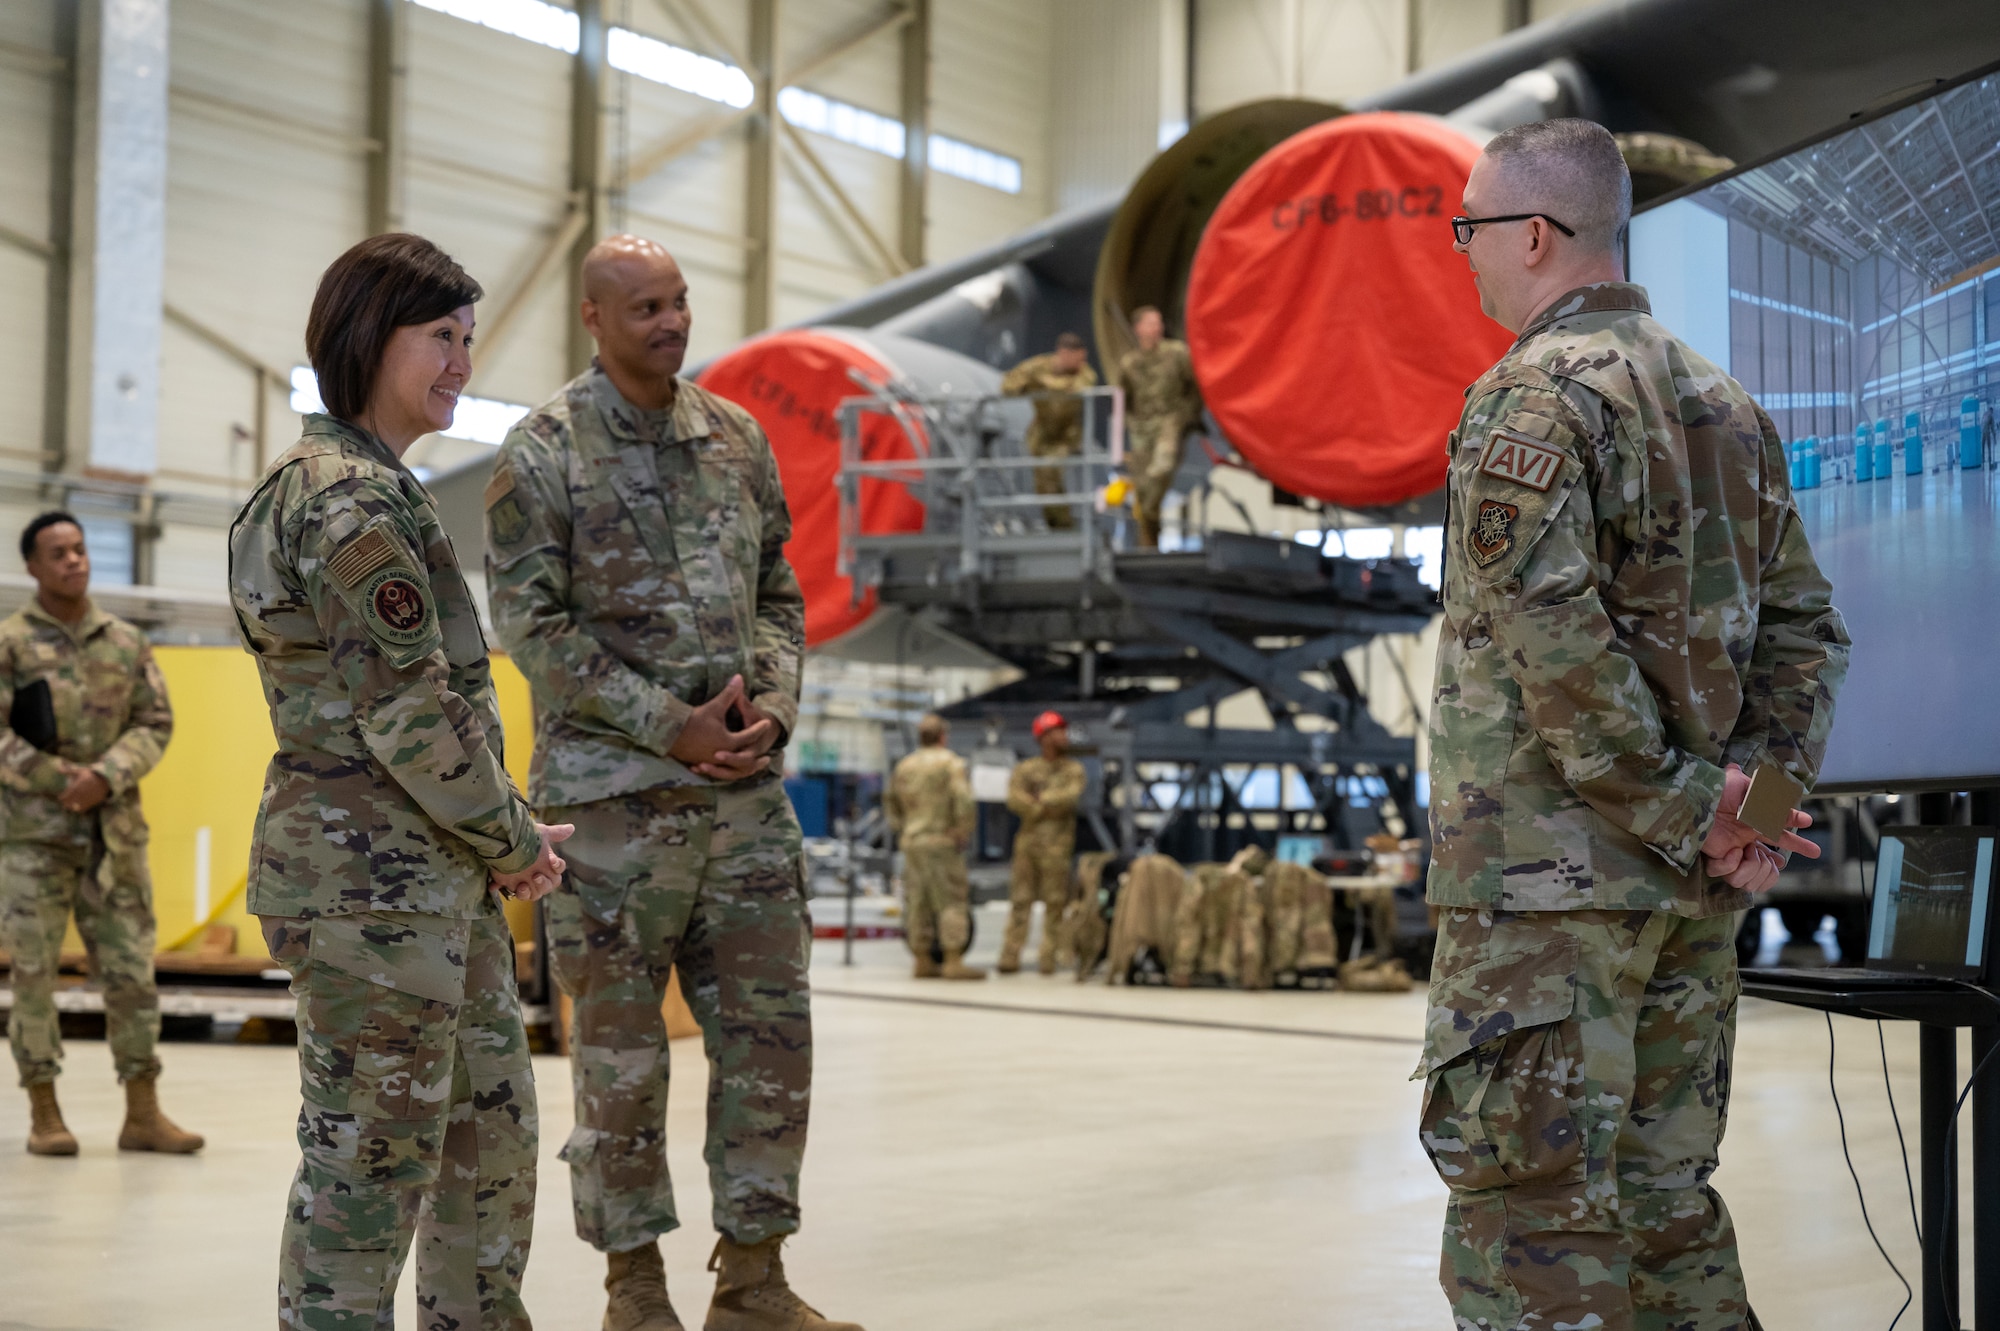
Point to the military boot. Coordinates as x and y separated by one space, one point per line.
956 969
1045 961
146 1128
925 969
1010 962
47 1134
751 1293
637 1284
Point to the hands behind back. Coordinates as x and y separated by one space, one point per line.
545 874
1735 853
715 747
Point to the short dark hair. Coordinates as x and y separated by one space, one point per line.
31 533
386 282
1068 342
1571 169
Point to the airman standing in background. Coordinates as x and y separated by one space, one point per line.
929 803
1057 430
1043 793
72 835
1162 402
636 531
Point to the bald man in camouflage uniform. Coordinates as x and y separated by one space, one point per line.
1631 611
1054 380
637 572
1162 401
929 806
73 837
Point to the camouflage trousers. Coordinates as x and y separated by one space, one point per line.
706 878
111 895
936 896
1578 1069
1054 480
1041 872
1152 456
418 1123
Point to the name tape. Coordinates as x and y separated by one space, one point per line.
1524 461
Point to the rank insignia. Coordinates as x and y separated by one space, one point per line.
395 607
1524 461
1492 533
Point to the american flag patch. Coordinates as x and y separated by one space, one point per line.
360 557
1524 461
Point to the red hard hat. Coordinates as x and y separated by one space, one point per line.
1048 721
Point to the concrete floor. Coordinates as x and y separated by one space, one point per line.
1012 1154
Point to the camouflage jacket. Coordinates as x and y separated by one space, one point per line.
1058 416
111 714
1041 792
1629 603
1160 383
929 800
635 561
387 791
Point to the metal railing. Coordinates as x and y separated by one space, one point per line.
965 462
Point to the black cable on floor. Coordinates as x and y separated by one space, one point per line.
1909 1180
1909 1295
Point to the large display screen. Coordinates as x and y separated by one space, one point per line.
1853 286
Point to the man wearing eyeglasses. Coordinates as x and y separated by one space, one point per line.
1632 618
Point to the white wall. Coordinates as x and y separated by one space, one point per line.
1120 84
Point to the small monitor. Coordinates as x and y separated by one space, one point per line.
1301 849
1933 901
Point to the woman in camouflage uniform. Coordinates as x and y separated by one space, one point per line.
386 818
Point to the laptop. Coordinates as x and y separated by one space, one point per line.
1931 918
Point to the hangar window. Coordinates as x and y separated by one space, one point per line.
719 81
483 420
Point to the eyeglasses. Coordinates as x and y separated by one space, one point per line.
1461 227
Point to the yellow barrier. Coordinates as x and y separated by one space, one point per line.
202 799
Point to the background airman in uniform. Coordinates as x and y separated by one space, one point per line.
73 837
1043 793
930 808
1057 429
1162 402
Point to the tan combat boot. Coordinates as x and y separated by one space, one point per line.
637 1284
751 1293
1045 961
146 1128
1010 962
925 969
47 1134
956 969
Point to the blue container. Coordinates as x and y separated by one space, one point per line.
1795 463
1864 453
1885 451
1812 463
812 800
1970 454
1913 444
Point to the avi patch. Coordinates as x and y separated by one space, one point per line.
396 607
1524 461
1492 531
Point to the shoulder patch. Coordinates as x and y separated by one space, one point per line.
396 606
360 557
1491 533
1524 461
506 520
